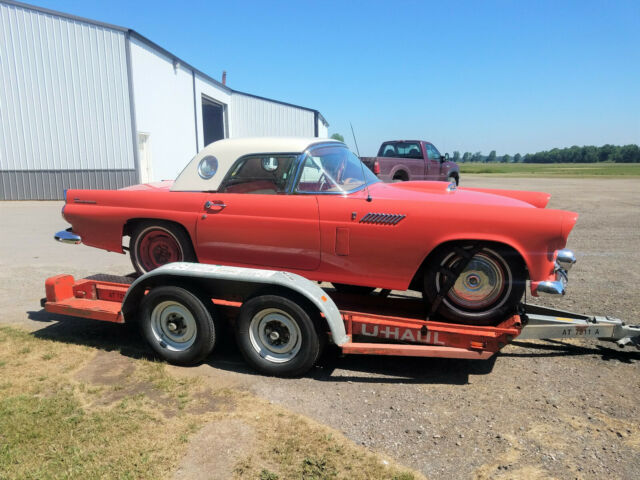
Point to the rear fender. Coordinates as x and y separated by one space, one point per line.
400 169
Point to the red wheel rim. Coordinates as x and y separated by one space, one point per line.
158 247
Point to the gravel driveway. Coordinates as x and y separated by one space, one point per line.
549 408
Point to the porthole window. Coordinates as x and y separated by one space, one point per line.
208 167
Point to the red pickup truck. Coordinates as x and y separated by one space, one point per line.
403 160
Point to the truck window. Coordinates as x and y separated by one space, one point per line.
401 150
433 152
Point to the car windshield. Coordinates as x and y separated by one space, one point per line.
333 169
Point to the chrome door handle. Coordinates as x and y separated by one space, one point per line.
216 203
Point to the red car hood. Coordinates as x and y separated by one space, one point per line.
438 191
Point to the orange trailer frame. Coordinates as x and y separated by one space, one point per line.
369 332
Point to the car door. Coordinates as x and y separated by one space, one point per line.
252 221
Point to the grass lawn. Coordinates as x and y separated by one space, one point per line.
553 169
73 411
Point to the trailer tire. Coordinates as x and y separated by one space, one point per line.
177 325
487 292
277 336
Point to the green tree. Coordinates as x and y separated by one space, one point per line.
630 154
477 157
506 158
337 136
492 156
466 157
517 158
456 156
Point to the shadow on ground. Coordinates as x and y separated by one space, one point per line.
332 366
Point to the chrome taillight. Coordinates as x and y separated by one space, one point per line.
376 167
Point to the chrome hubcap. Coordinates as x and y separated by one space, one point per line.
275 335
481 284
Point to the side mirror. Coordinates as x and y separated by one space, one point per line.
444 158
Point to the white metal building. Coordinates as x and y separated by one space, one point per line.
84 104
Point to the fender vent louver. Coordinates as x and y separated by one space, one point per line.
382 218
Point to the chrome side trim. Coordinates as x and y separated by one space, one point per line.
67 236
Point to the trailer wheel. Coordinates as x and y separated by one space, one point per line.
487 291
177 325
156 243
277 336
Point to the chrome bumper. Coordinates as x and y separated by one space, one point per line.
564 261
67 236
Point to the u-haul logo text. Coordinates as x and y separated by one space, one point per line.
400 334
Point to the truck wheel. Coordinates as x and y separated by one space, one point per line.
177 325
277 336
453 179
487 291
352 289
156 243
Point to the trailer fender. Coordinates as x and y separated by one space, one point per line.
234 283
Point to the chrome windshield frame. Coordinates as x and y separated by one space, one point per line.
307 153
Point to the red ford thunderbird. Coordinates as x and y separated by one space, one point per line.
309 206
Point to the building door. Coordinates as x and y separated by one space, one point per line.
144 157
212 121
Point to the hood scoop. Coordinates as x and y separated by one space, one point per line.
382 218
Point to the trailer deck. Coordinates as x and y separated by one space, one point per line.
368 325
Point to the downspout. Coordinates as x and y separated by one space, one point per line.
132 106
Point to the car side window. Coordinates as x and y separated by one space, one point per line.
259 174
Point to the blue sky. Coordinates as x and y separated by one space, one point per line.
512 76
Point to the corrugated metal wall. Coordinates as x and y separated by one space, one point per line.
65 119
254 117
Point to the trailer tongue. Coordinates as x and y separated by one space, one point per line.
281 319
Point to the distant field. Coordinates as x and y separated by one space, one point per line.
553 169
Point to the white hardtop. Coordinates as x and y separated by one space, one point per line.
227 151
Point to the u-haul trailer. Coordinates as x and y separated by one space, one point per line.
283 320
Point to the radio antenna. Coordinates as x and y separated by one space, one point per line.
364 179
354 139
